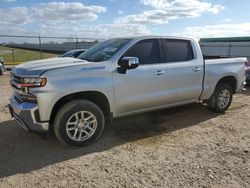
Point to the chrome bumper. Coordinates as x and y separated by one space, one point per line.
27 115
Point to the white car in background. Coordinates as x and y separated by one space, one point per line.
73 53
2 68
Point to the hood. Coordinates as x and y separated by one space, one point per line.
36 68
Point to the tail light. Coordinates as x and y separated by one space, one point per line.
247 63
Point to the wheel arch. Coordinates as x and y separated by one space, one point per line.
230 80
96 97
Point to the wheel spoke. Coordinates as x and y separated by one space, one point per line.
72 123
74 136
86 132
76 116
88 118
80 135
223 103
71 128
90 128
92 121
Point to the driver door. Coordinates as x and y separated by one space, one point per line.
147 85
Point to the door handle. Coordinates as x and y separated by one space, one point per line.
196 69
159 72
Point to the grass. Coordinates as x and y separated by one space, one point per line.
21 55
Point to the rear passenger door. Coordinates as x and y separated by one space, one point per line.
185 71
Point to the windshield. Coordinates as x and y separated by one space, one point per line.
104 50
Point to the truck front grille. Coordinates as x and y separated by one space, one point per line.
15 78
21 94
23 97
15 81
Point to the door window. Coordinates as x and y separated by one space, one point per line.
178 50
147 51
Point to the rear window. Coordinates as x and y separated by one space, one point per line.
178 50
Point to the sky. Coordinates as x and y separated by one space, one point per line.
117 18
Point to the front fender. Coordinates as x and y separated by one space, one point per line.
61 83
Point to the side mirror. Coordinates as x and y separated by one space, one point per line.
127 63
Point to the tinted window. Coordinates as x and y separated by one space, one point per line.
104 50
147 51
178 50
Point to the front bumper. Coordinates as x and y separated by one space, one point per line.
27 115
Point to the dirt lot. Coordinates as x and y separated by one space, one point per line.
182 147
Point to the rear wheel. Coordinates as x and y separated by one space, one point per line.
79 123
221 98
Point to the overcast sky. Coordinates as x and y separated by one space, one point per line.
110 18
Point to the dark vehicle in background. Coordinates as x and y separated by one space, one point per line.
248 72
73 53
2 67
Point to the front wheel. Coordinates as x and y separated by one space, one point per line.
79 123
221 99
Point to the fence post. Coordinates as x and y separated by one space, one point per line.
77 44
40 46
229 50
13 57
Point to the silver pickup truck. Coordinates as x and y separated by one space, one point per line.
119 77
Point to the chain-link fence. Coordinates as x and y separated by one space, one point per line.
226 49
18 49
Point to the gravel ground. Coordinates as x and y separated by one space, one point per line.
187 146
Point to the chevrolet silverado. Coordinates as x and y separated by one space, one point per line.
76 98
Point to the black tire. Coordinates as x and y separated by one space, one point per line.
67 111
1 71
214 101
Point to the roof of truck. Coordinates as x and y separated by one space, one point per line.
156 36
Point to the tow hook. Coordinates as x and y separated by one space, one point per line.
244 86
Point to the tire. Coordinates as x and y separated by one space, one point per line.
1 71
221 99
88 130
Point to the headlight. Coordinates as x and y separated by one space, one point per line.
33 82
